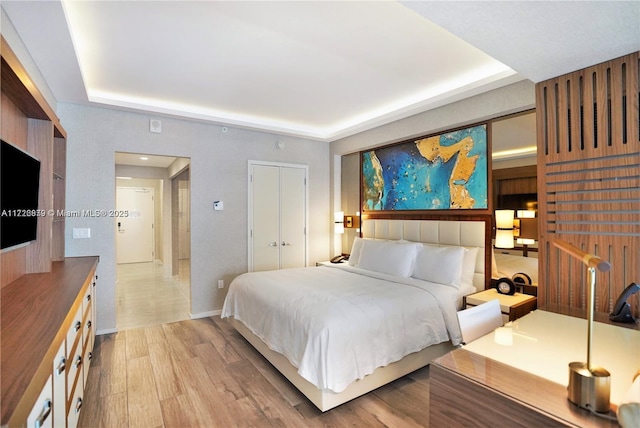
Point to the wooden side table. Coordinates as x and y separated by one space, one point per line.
512 307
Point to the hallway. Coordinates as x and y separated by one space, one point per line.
146 298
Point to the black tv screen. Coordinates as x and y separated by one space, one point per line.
20 175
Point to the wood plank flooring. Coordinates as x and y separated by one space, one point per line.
202 373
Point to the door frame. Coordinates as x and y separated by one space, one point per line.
175 233
251 163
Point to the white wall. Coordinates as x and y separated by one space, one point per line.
219 163
510 99
17 46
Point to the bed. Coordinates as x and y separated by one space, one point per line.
339 331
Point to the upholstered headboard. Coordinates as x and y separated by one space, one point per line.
464 233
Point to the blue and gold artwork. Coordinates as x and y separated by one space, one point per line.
447 171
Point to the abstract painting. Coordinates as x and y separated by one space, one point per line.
441 172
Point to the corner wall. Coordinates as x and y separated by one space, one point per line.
219 164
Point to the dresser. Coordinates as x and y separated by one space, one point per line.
47 336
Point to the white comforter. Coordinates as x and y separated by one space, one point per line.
337 324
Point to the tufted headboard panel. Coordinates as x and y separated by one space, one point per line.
464 233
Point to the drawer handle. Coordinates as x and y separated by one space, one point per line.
78 326
78 404
88 297
90 355
89 324
44 414
61 366
78 362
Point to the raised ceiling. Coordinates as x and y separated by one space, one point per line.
321 70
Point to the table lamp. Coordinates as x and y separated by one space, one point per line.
589 386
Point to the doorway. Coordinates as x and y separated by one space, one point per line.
148 291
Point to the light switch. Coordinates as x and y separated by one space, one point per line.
218 205
81 233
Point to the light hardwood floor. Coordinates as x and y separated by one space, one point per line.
202 373
146 297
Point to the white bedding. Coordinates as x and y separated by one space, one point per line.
339 323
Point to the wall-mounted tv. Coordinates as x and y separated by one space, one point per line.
20 182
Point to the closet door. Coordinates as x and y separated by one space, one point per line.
265 207
292 217
277 217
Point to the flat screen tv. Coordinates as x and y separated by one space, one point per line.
20 182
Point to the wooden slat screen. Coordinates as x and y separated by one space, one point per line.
589 181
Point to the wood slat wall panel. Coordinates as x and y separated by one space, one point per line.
589 181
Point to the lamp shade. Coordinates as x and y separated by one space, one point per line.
504 239
504 229
526 214
338 222
504 219
525 241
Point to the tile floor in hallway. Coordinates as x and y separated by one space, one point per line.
146 297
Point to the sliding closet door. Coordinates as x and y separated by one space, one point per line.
277 216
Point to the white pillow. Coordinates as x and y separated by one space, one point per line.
442 265
354 257
388 257
468 266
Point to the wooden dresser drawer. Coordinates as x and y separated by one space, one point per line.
60 387
75 331
42 413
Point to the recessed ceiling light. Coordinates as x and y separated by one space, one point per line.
144 158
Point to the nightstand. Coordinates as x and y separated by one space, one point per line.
512 307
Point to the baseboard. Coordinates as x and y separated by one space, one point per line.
106 331
206 314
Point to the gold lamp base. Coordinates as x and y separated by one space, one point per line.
589 389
